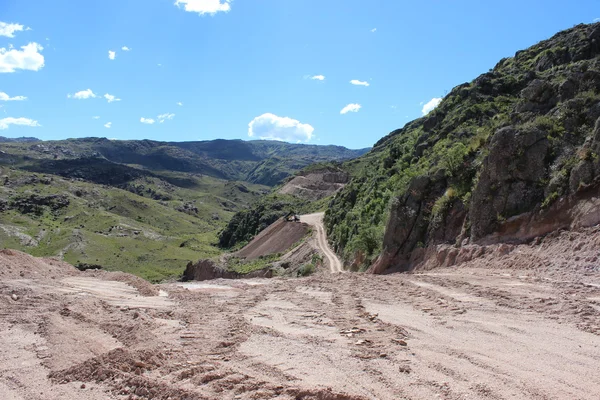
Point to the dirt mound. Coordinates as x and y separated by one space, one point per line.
15 264
204 270
144 287
316 185
277 238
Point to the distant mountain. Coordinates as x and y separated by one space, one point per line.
18 140
261 162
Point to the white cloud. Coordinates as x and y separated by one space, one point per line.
9 30
351 108
125 48
112 55
5 97
430 105
318 78
356 82
6 122
108 125
272 127
204 6
111 98
596 19
374 30
82 95
29 58
148 121
96 117
180 104
163 117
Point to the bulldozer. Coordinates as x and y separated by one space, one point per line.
291 217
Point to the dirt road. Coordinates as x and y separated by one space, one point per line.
452 334
524 325
316 220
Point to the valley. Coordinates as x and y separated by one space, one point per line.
459 258
142 207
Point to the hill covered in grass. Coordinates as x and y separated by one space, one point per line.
261 161
142 207
499 154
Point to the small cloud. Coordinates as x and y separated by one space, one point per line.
351 108
272 127
318 78
356 82
148 121
96 117
430 105
180 104
6 122
596 19
111 98
160 65
82 95
204 6
108 125
9 30
163 117
5 97
28 58
125 48
112 55
374 30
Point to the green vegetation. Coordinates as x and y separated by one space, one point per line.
117 229
243 266
142 207
448 147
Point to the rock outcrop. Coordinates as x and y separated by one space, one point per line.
508 157
316 184
204 270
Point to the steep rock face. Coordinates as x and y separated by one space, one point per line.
511 178
502 159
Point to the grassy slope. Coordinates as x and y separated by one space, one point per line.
452 141
143 207
148 242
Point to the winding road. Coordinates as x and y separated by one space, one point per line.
316 220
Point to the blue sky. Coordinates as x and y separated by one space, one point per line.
271 68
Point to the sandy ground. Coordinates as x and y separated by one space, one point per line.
316 221
459 333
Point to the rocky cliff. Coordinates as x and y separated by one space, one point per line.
510 156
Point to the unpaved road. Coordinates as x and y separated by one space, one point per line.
458 333
316 220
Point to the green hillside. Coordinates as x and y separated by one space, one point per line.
514 140
137 206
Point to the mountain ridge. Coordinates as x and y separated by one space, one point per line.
513 141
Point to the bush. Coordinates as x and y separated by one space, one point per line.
306 269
